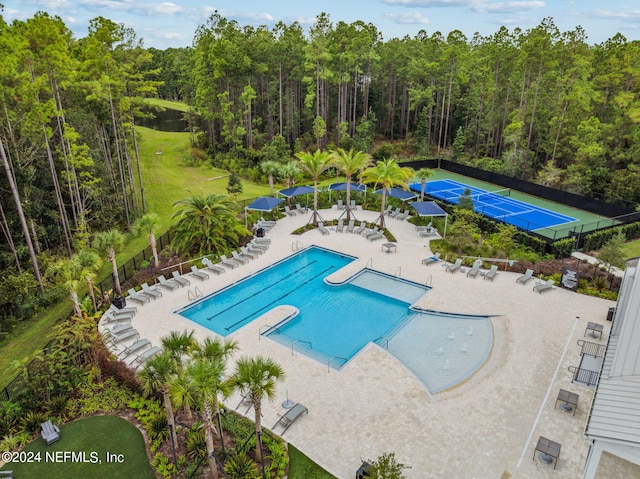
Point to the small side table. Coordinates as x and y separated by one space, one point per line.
389 247
549 451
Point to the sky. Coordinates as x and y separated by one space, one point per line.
165 24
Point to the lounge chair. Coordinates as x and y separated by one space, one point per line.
388 210
261 240
340 227
6 474
245 401
196 273
135 296
253 246
394 213
118 329
170 284
290 417
155 292
340 205
403 216
181 279
492 272
209 266
475 269
431 231
144 356
134 348
238 258
111 316
370 231
245 253
123 336
528 274
126 309
544 286
424 228
50 432
452 268
353 206
376 236
227 262
350 226
300 209
432 259
322 229
360 229
288 211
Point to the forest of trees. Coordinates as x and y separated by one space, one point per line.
538 104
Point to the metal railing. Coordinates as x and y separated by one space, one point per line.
592 349
300 341
584 376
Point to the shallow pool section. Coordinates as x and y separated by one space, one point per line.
442 350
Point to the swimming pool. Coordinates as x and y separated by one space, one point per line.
335 320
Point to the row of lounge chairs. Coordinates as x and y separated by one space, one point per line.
299 209
397 214
473 271
256 247
341 205
371 234
428 230
540 287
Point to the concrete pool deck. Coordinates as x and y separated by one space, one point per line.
486 427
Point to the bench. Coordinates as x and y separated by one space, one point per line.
50 432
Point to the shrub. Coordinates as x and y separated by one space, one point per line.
31 422
196 445
240 466
57 406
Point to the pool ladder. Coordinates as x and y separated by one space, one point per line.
429 281
297 246
193 295
398 272
369 261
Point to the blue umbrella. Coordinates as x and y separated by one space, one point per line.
262 204
296 191
430 208
343 187
398 193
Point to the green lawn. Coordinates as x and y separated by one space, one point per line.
96 437
632 249
301 467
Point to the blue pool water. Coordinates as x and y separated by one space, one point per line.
335 321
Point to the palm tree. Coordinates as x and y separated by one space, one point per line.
111 241
315 164
289 171
207 224
256 377
179 345
148 223
386 174
68 269
91 263
350 163
423 174
270 168
157 374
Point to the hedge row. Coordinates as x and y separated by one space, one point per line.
598 239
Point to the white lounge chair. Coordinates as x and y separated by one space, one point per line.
288 211
452 268
403 216
253 245
135 296
360 229
353 206
340 226
170 284
340 205
261 240
144 356
528 274
196 273
238 258
123 336
227 262
300 209
475 269
250 250
212 267
322 229
50 432
394 213
245 253
370 231
492 272
290 417
148 290
181 279
111 316
431 259
375 236
126 309
350 226
134 348
544 286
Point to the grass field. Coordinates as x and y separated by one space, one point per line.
95 437
301 467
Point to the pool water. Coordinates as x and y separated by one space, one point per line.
336 321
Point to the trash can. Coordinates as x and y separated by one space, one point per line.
363 471
119 302
610 314
260 232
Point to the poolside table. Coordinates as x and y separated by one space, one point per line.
569 399
389 247
549 450
595 327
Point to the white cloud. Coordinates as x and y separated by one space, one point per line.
507 7
625 16
429 3
413 18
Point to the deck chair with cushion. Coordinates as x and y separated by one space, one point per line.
170 284
340 226
245 253
340 205
394 213
350 226
370 231
134 348
123 336
238 258
148 290
492 272
137 297
376 236
432 259
180 279
322 229
214 268
144 356
126 309
360 229
300 209
111 316
544 286
452 268
196 273
289 211
528 274
475 269
257 245
251 249
290 417
50 432
228 262
403 216
353 206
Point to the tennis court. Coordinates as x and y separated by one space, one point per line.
496 204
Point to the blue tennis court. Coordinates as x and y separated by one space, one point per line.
495 204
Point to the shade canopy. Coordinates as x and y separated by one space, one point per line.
398 193
296 191
264 204
343 187
430 208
